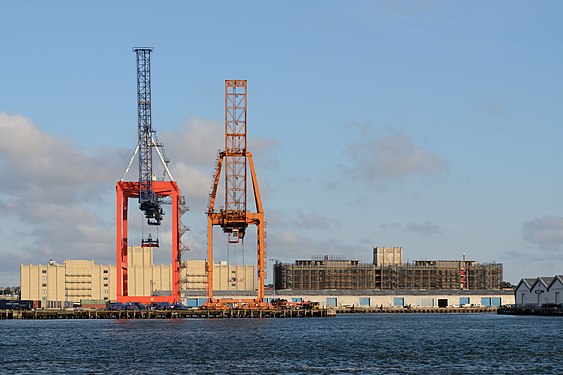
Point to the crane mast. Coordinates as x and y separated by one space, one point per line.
235 159
148 200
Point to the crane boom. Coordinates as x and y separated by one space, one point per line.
148 200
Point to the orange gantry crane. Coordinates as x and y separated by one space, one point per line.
235 217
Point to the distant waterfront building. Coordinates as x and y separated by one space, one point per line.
73 280
539 291
387 256
387 272
78 280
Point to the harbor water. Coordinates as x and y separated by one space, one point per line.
355 343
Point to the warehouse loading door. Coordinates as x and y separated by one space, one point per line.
425 302
486 301
331 302
398 302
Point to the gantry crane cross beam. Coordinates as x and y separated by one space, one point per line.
235 218
124 191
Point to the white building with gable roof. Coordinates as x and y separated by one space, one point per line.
540 291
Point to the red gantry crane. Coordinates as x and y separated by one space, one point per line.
149 192
235 217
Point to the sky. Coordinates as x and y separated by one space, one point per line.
432 125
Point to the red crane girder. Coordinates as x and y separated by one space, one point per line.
124 191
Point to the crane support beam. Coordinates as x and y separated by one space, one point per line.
124 191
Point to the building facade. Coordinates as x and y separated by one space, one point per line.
541 291
387 256
79 280
380 298
386 273
73 280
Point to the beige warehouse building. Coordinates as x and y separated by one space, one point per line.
78 280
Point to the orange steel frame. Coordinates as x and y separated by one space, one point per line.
237 217
124 191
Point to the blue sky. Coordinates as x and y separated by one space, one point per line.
432 125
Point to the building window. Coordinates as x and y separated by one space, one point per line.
105 271
43 271
44 278
44 291
233 271
105 291
106 285
43 285
105 278
233 285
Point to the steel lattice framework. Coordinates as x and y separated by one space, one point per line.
235 157
235 218
148 201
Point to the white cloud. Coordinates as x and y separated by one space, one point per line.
196 143
53 195
494 109
64 196
311 220
393 225
261 150
394 157
193 151
427 227
288 245
41 166
545 232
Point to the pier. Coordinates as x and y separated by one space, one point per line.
234 313
167 314
529 310
415 310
